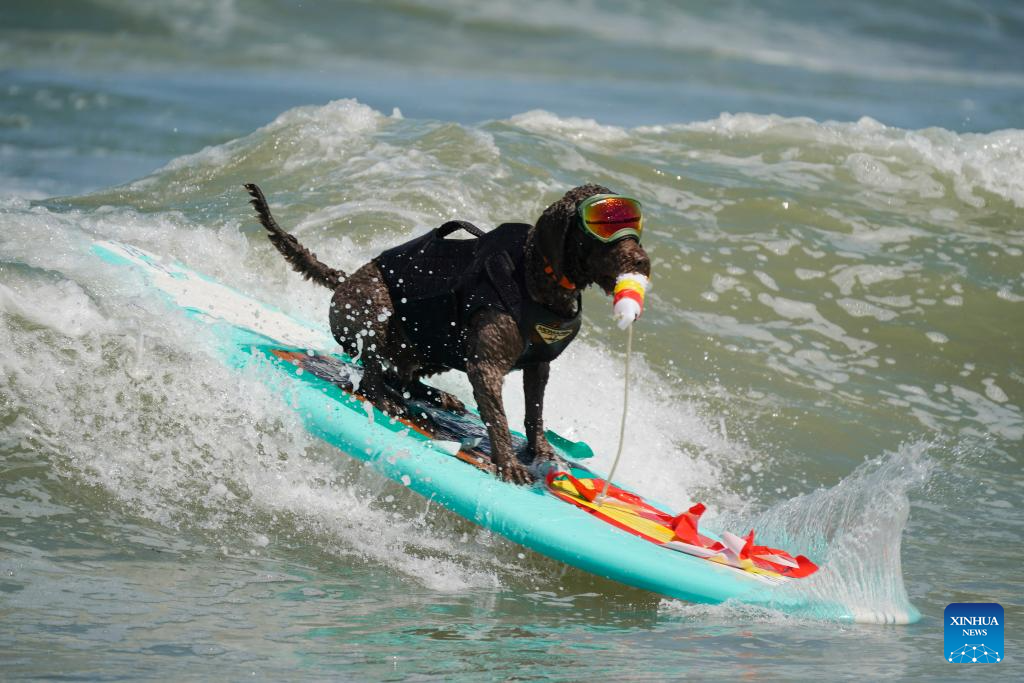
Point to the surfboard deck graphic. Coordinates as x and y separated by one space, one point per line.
446 457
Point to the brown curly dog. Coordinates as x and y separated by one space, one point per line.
504 300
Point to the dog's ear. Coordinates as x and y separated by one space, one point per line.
557 220
552 227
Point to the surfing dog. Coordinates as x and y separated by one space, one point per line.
508 299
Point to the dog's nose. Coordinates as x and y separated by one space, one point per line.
641 263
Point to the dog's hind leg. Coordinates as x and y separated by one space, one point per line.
360 318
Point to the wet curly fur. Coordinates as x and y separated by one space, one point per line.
362 321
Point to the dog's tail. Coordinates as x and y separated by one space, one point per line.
303 260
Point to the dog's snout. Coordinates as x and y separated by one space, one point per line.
625 256
642 262
633 258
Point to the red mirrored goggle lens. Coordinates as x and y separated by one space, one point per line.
613 217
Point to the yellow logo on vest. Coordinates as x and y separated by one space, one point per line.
552 335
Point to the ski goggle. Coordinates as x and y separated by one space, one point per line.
611 217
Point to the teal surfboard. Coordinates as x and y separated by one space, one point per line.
446 461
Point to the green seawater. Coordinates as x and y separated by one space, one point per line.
831 352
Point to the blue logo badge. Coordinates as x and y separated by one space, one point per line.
973 632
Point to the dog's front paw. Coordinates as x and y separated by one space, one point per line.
514 472
543 452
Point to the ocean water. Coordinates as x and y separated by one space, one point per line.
831 354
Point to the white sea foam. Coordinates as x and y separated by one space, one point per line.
999 417
865 276
971 161
993 391
805 310
63 306
808 274
297 138
861 309
1005 294
573 128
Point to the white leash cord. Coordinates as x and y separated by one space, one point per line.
622 426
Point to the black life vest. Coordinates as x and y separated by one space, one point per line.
437 284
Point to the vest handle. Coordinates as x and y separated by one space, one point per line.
451 226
